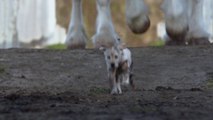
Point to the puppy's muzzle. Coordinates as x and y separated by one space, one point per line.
112 65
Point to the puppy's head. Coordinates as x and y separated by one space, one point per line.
113 56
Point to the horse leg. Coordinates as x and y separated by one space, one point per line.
76 37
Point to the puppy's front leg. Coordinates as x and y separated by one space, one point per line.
119 86
112 79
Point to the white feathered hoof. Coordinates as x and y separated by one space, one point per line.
176 34
114 92
76 46
76 42
139 24
199 41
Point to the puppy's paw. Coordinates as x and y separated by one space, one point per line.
119 92
114 92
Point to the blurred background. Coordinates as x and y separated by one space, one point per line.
44 23
118 16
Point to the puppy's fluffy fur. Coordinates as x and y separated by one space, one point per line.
119 65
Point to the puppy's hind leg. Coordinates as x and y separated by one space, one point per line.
132 84
125 79
119 86
114 89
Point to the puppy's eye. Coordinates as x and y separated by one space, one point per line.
108 57
116 57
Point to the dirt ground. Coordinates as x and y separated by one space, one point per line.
173 83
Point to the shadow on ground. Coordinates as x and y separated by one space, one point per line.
172 83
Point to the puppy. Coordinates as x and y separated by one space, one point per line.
119 66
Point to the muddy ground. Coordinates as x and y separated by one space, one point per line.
173 83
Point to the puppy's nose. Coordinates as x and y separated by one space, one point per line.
112 65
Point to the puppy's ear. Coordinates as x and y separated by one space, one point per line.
122 46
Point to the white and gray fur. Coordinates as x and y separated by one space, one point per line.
76 37
119 66
105 32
